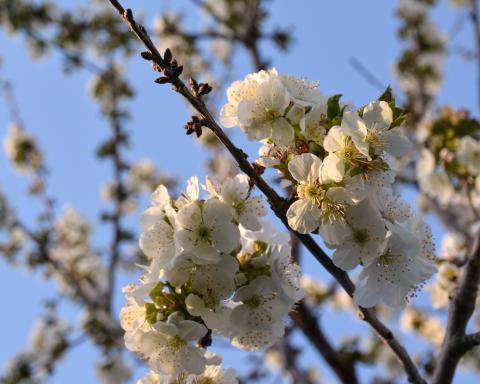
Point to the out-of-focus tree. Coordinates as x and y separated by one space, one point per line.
214 267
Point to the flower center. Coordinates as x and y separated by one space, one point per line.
360 236
387 259
176 343
203 233
313 192
375 139
205 380
240 207
253 302
332 211
270 115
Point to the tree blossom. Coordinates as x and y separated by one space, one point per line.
319 202
215 268
406 262
366 239
207 230
468 153
236 193
168 348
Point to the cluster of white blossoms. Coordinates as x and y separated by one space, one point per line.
434 173
72 250
338 161
217 267
47 344
426 326
419 70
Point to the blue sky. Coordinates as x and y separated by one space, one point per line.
57 110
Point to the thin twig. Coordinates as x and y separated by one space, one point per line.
367 75
472 340
277 203
474 17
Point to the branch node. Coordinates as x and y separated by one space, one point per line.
128 15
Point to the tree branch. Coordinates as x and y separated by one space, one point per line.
460 311
277 203
472 340
307 322
474 17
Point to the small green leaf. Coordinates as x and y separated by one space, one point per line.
333 106
356 171
387 96
151 313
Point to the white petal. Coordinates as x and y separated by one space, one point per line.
365 298
191 330
228 115
346 257
301 165
157 242
190 216
333 168
150 216
282 132
303 216
334 233
274 95
160 196
226 237
216 212
398 144
187 239
378 114
250 221
333 141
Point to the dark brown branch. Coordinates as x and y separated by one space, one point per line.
116 218
119 167
290 359
460 311
277 203
472 340
308 323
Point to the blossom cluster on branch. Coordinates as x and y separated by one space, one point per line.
339 161
217 267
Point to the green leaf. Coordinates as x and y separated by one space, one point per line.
151 313
387 96
333 106
356 171
399 114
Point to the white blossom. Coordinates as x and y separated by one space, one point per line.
236 193
405 264
263 117
366 238
318 203
168 347
207 230
468 154
257 321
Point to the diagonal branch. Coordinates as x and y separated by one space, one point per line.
278 204
456 343
472 340
308 323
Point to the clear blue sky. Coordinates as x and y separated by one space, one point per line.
56 109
